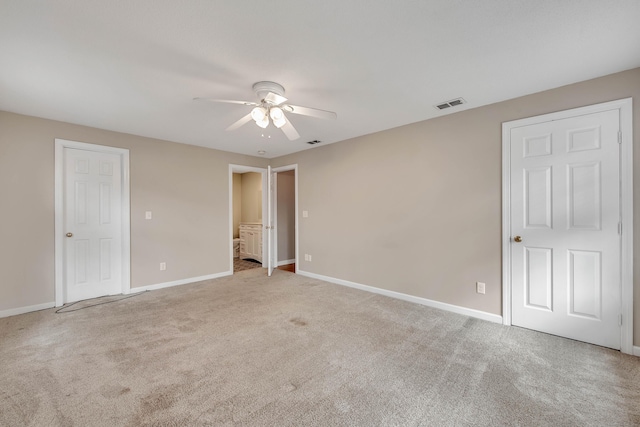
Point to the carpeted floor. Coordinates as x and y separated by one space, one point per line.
293 351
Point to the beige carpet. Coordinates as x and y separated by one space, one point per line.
293 351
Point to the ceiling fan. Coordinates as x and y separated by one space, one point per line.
272 105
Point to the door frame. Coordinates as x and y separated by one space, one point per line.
244 169
626 206
275 171
123 153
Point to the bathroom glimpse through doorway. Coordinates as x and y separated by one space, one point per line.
285 217
247 203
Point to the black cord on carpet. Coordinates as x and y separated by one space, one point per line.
59 311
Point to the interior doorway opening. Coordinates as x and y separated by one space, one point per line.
274 223
285 217
247 208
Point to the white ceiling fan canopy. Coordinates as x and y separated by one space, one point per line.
262 89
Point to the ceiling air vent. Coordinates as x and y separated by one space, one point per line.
314 142
452 103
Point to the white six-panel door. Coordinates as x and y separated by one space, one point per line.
92 224
565 216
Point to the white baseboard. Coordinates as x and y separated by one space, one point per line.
636 351
286 262
418 300
179 282
28 309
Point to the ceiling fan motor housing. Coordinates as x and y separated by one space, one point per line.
261 89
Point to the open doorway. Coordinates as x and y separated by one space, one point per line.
248 212
247 200
285 217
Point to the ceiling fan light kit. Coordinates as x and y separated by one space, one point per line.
258 114
277 116
263 123
276 113
272 105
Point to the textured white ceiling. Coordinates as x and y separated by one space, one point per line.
134 66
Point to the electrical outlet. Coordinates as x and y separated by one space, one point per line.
305 214
480 287
148 215
163 266
307 257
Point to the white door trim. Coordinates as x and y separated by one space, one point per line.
274 213
272 237
243 169
294 168
60 145
626 176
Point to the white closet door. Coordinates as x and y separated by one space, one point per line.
92 224
565 213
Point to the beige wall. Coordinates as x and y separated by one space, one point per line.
361 226
417 209
251 197
237 203
186 187
286 226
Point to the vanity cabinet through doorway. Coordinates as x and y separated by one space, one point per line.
251 241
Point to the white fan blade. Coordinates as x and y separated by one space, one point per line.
290 131
274 98
227 101
243 120
306 111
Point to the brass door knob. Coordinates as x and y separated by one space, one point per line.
69 234
517 239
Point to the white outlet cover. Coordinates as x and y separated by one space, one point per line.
147 215
305 214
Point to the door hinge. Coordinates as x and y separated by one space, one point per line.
619 137
619 319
